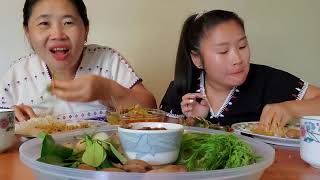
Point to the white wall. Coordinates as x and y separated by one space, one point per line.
282 33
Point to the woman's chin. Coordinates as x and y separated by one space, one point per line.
236 81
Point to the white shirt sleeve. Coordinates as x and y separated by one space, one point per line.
108 63
123 73
120 69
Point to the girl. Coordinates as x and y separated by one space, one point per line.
215 80
87 80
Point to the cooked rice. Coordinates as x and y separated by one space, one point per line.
48 125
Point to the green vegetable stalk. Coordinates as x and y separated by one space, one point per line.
200 152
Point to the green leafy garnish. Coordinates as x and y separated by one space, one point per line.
54 160
121 158
49 147
53 153
105 164
94 154
200 151
41 135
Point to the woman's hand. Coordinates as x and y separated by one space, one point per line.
86 88
276 115
191 108
89 88
23 112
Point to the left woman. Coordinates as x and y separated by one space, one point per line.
85 80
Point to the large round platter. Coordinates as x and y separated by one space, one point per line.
30 151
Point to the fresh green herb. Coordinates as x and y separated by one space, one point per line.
94 154
53 153
121 158
55 160
241 155
49 147
41 135
105 164
201 151
76 164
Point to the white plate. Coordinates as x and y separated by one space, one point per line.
26 129
245 128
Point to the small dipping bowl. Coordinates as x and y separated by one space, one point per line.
157 147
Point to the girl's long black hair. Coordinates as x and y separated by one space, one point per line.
193 30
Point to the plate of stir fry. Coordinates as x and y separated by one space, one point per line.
204 123
284 136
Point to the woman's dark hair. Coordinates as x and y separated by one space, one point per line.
78 4
194 29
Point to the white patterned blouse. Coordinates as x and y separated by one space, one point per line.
27 79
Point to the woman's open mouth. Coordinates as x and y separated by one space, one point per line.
60 54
